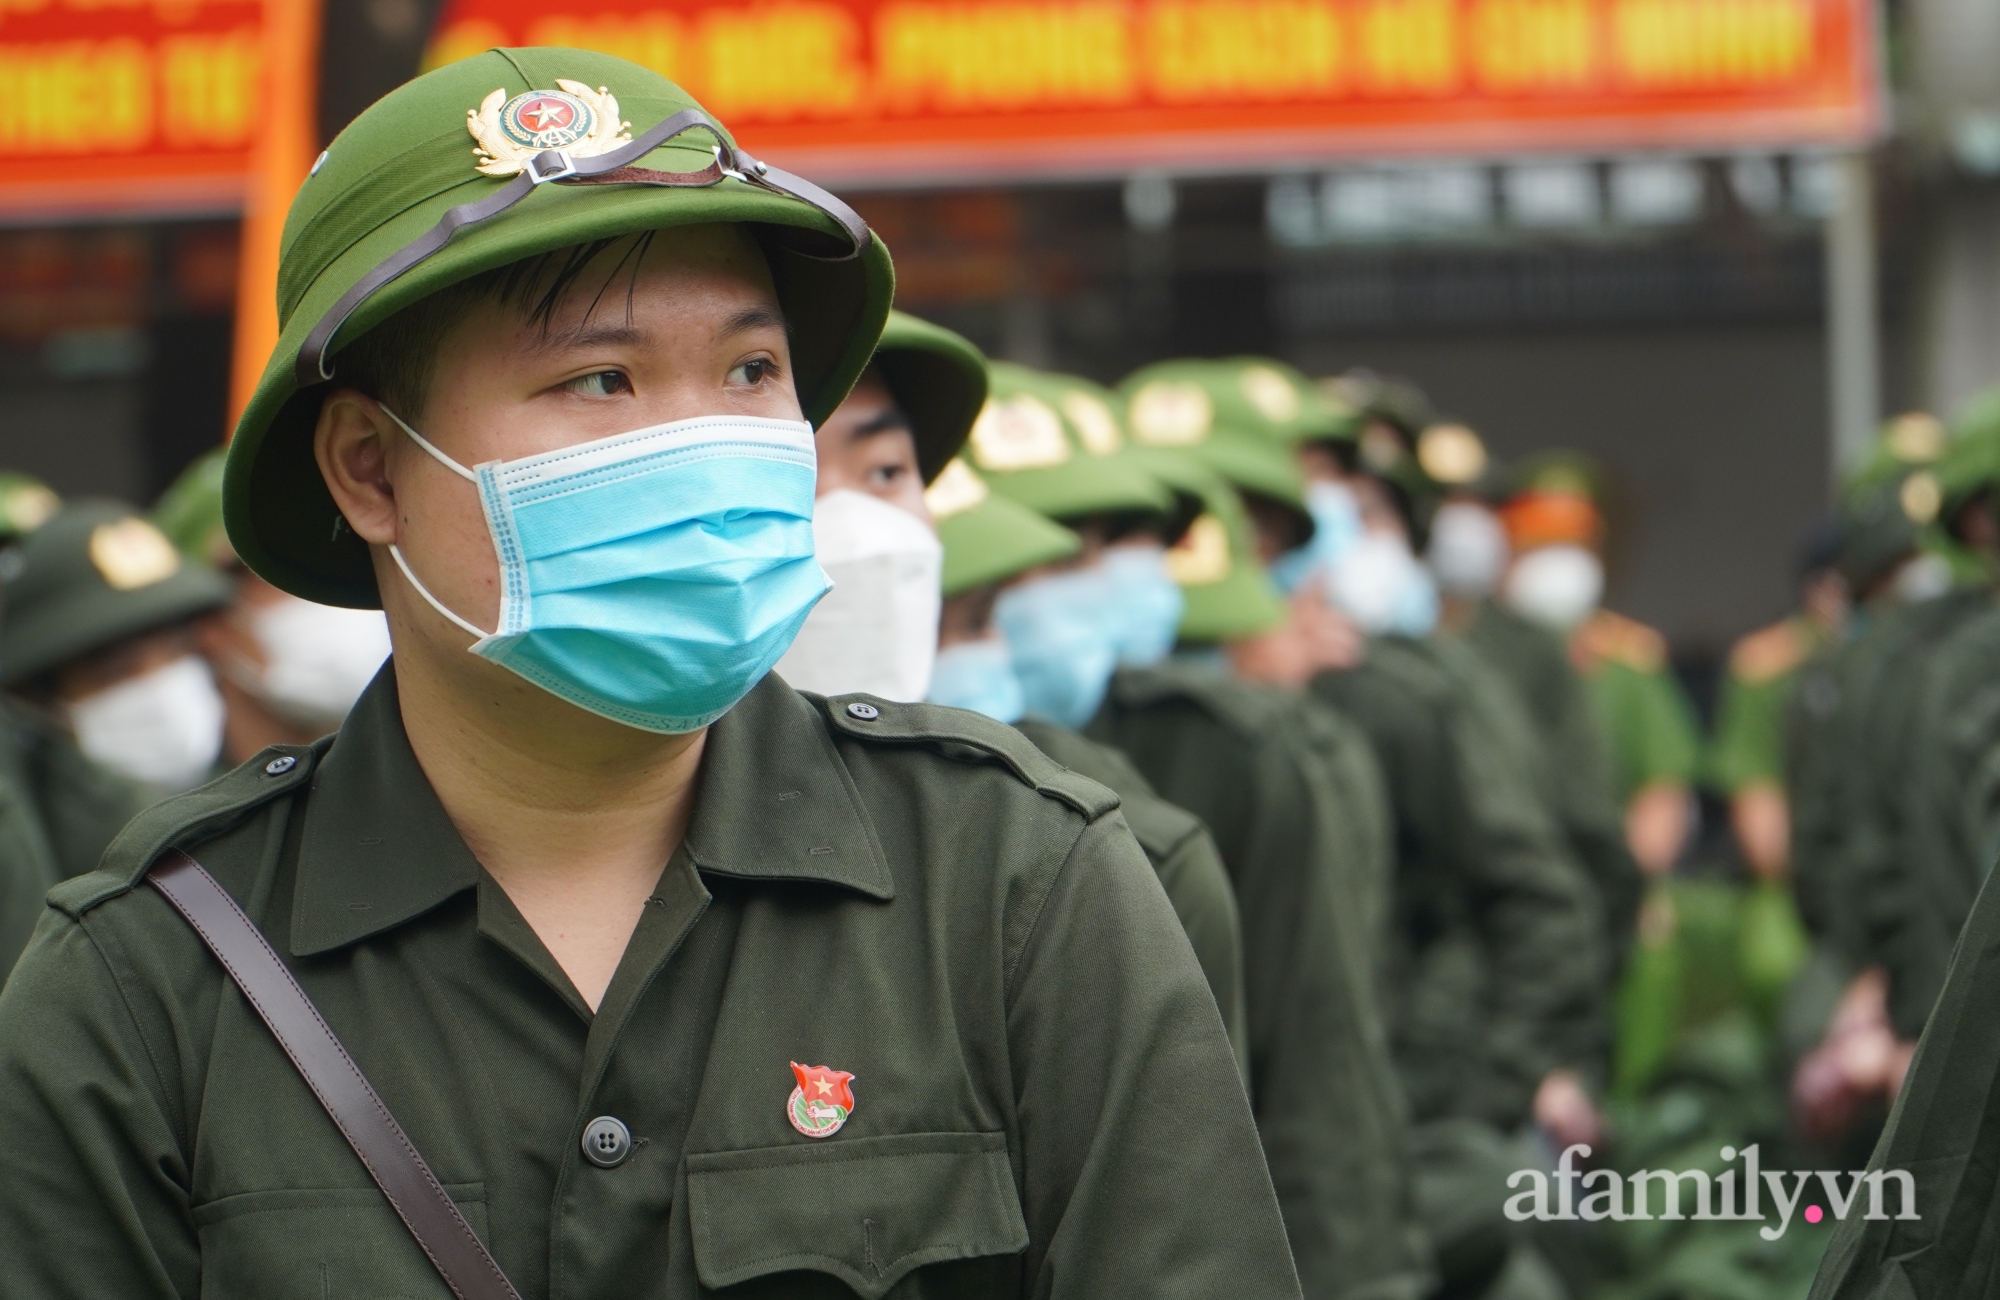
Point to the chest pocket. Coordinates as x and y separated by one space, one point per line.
867 1213
320 1244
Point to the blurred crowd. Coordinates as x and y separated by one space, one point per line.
1427 809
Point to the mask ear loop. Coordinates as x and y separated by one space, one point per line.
396 552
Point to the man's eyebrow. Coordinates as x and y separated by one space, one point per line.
889 421
762 316
586 335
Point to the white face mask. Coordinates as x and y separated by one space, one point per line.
1379 584
877 630
1556 586
317 659
1468 549
163 727
1923 577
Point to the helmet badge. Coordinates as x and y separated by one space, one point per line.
575 119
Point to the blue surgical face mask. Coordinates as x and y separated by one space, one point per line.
653 577
1142 603
1061 643
1336 527
978 675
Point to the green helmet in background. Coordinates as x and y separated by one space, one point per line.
988 537
1214 559
26 503
1053 443
369 234
1240 418
190 511
97 573
939 382
1911 442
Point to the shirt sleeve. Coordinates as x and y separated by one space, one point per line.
1539 920
1197 885
1142 1171
93 1199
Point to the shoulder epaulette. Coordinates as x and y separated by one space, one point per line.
1768 653
952 732
188 819
1606 637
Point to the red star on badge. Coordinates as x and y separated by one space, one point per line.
544 113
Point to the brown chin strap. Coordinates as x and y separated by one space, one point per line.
553 166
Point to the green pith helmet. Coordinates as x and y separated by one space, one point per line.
190 512
1053 443
26 504
1908 442
1214 561
368 235
1239 417
95 574
939 381
988 538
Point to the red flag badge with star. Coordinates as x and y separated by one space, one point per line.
822 1101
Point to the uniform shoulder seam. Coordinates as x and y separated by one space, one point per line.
188 819
950 732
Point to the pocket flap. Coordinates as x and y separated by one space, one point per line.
867 1211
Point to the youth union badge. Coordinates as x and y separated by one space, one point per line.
576 119
822 1101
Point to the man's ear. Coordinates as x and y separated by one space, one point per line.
351 444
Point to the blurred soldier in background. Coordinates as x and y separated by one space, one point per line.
288 669
1556 531
108 705
1746 760
100 633
1854 743
1940 1135
1286 789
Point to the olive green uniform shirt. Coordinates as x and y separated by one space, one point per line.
1498 955
1748 748
58 811
1184 855
1536 664
1045 1102
1854 766
1288 791
1934 832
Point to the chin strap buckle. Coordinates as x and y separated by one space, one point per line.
559 165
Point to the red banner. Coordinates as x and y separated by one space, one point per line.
133 105
908 91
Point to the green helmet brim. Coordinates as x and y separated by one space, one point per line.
939 381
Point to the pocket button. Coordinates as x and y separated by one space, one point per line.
606 1142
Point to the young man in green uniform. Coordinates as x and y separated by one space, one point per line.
1288 791
596 905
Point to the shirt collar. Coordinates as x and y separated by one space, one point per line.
775 802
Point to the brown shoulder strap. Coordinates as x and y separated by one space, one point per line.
412 1190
